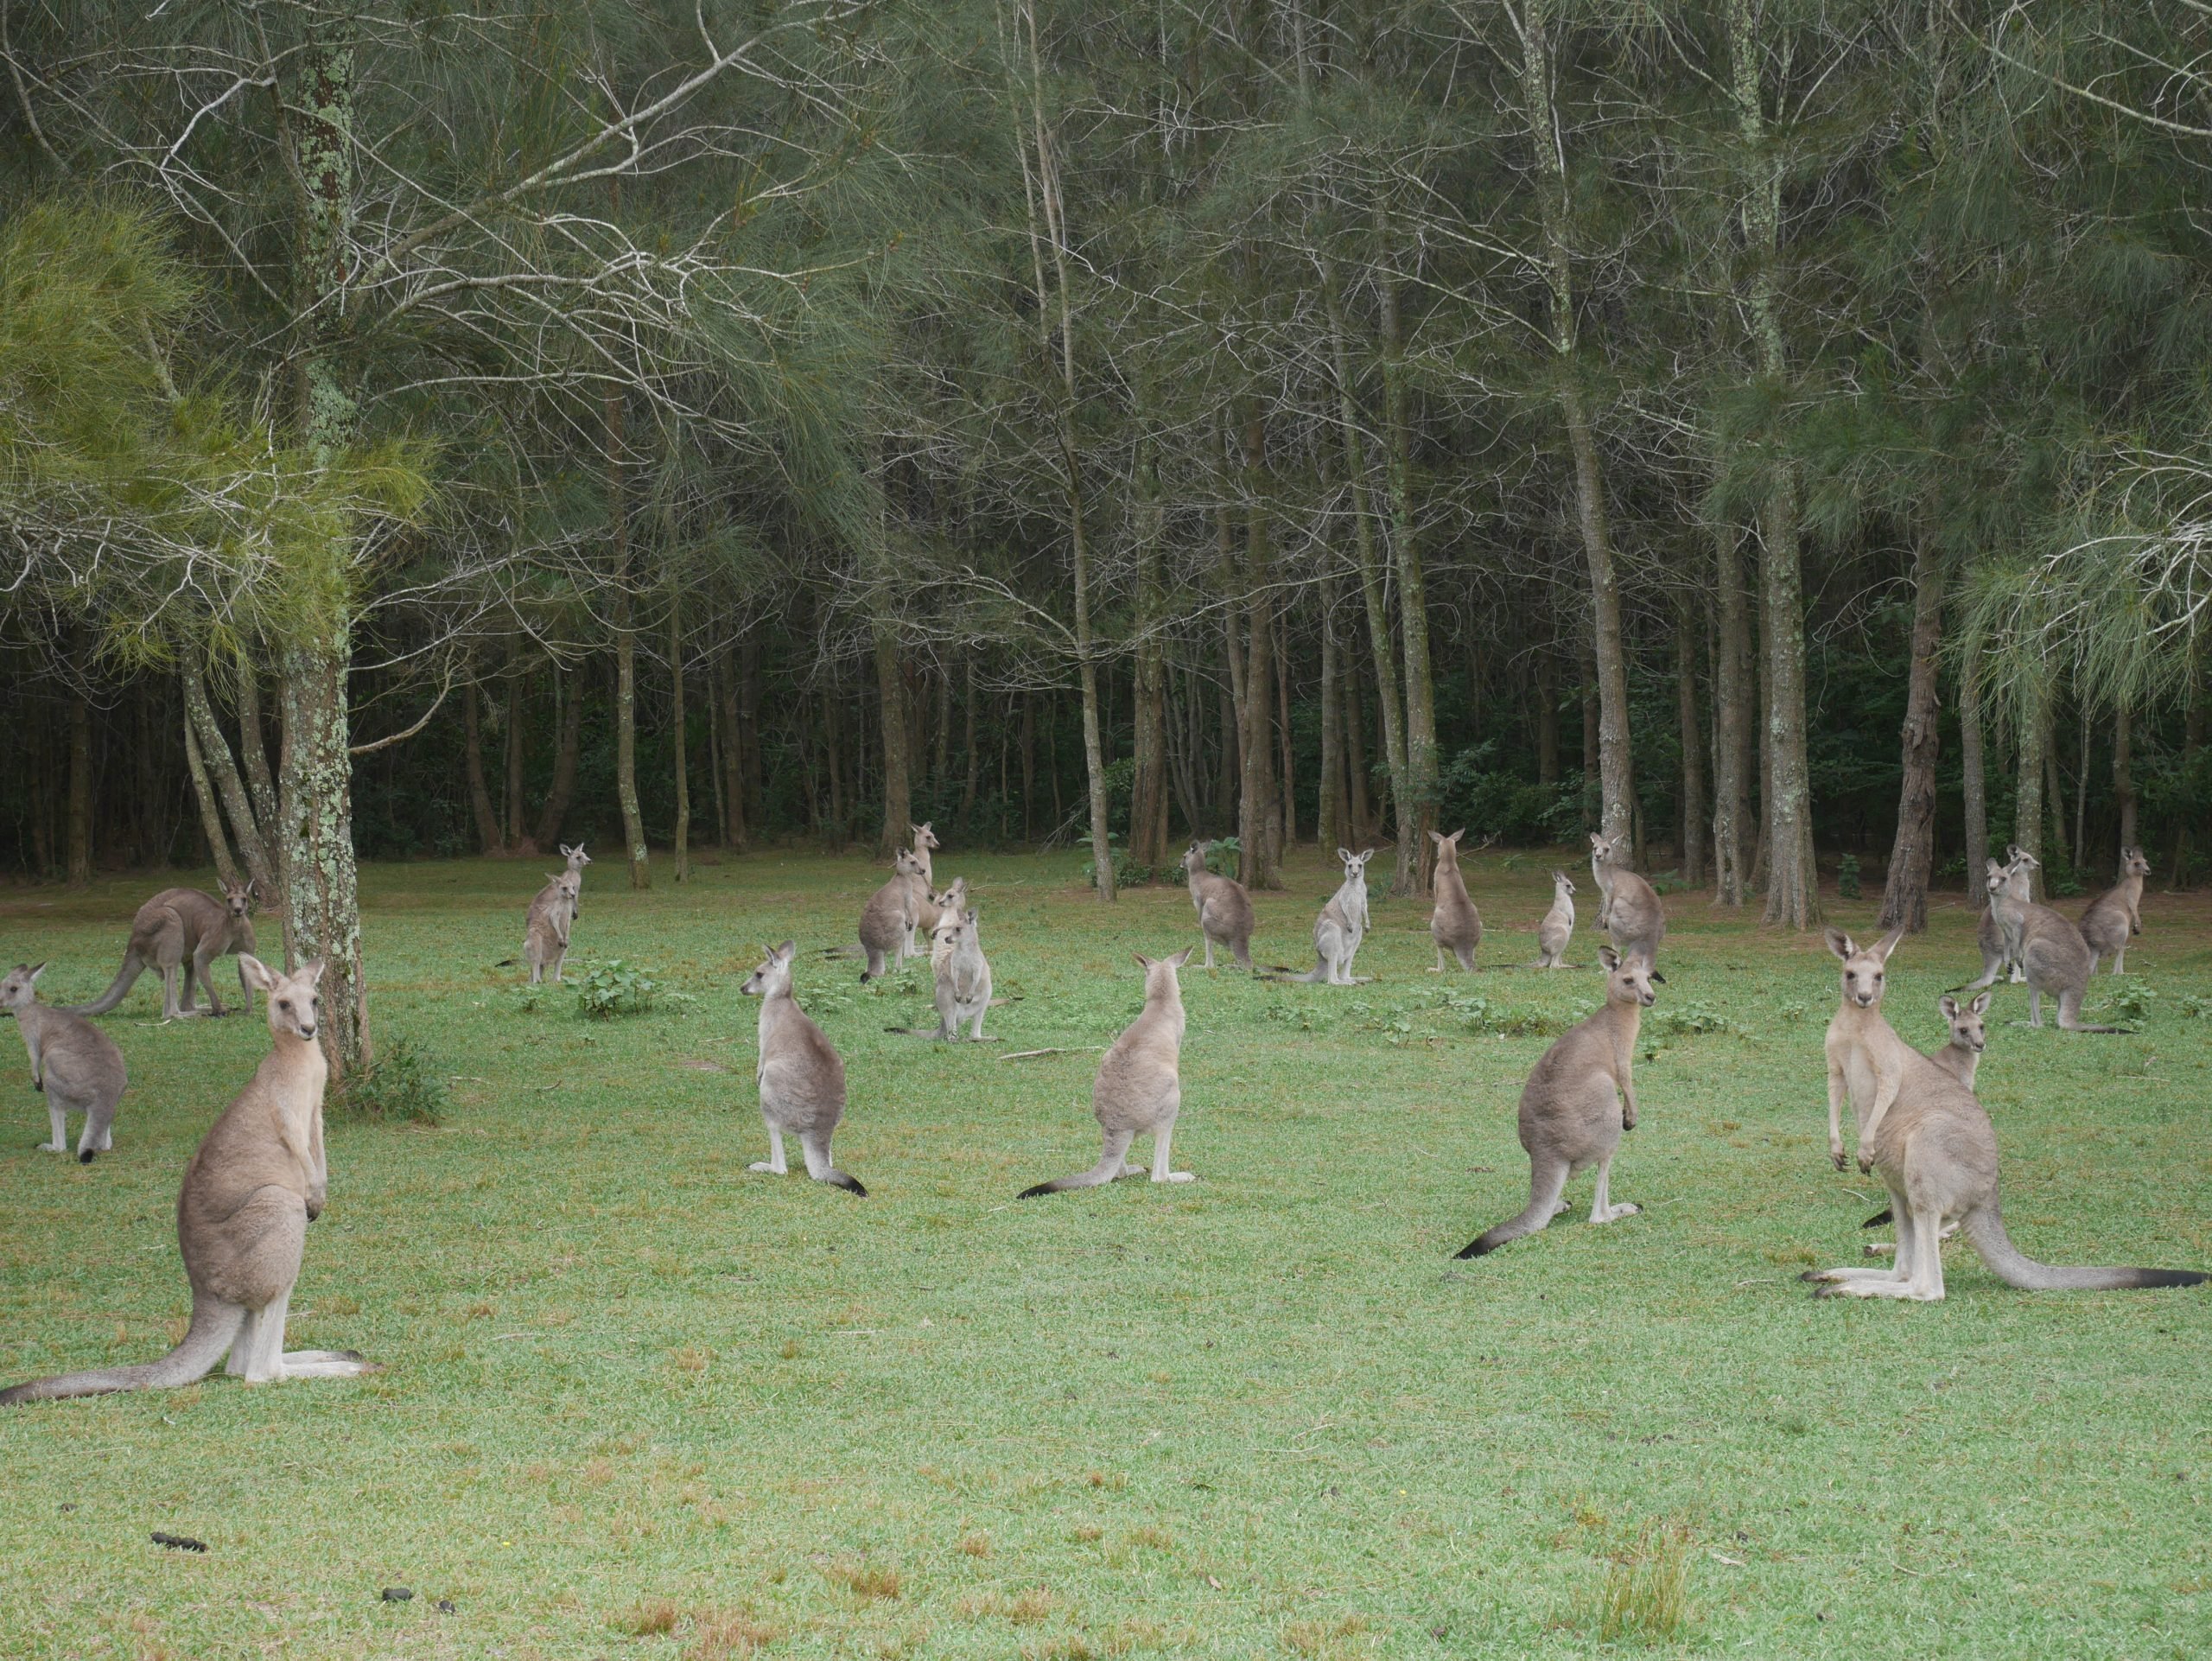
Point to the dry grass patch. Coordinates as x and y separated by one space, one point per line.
1646 1594
1322 1638
975 1545
727 1635
877 1582
652 1618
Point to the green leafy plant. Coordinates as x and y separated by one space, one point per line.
1846 876
1695 1020
402 1084
1222 858
2132 998
615 988
2195 1005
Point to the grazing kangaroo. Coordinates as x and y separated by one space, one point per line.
1139 1089
925 905
1627 907
1224 909
2052 955
887 921
259 1179
577 860
802 1077
1455 924
545 932
1579 1100
964 974
179 932
74 1062
2116 915
1339 928
1936 1153
1558 927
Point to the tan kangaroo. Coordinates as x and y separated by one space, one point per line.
577 860
1961 1059
1558 927
257 1181
1867 1061
179 932
2052 955
1338 930
1455 925
888 920
801 1076
1578 1102
1936 1153
1224 909
951 902
74 1062
1139 1089
546 931
925 904
2115 916
963 974
1627 907
1989 934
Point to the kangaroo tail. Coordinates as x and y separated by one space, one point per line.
1546 1184
1878 1218
916 1032
1110 1161
845 1179
133 966
1313 976
843 952
215 1324
1985 1226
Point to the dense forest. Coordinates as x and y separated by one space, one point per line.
1772 429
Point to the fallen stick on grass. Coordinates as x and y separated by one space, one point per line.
1069 1049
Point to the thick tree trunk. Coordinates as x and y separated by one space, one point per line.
1912 856
2078 848
1287 792
568 746
215 755
2123 773
898 778
253 743
1691 718
480 797
2055 793
210 818
1547 718
1974 777
1259 827
681 735
322 910
625 650
1731 722
1792 881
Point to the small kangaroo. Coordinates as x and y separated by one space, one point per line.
546 931
1558 927
1989 934
1937 1155
925 904
1224 909
888 920
179 932
1139 1089
1339 928
801 1076
577 860
964 974
2116 915
74 1062
1628 908
1455 924
1961 1058
259 1179
951 902
1578 1102
2052 955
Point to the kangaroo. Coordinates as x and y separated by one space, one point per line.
1558 927
1961 1059
545 932
1139 1089
1224 909
887 921
2116 915
1867 1061
925 905
1989 934
1339 928
577 860
801 1077
259 1179
1627 907
937 907
75 1063
1455 924
2052 955
964 974
179 932
1578 1102
1937 1155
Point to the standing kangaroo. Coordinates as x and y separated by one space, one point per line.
2116 915
925 903
546 931
179 932
1628 908
888 920
1578 1102
1928 1137
1340 927
74 1062
1139 1089
2052 955
1558 927
964 974
1455 924
1224 909
257 1181
1961 1059
1989 934
801 1076
577 860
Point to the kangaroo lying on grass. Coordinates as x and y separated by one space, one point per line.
1558 927
1936 1153
2049 948
257 1181
545 932
801 1076
179 932
75 1063
1139 1089
1224 909
1454 925
2115 916
1628 908
1578 1102
887 921
1339 928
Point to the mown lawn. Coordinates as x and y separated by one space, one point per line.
640 1403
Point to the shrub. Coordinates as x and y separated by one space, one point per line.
2134 998
1223 857
401 1083
615 988
1846 876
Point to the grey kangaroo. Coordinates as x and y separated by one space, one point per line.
1936 1153
259 1179
1139 1089
1558 927
577 860
179 932
2051 951
1961 1059
925 900
1224 909
1578 1102
546 931
1628 908
1455 925
801 1076
74 1062
1989 934
963 973
1339 928
2115 916
888 920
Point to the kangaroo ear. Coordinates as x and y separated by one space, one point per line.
1978 1005
1143 962
969 917
256 972
1840 943
37 969
1950 1006
312 970
1887 944
1343 856
1454 838
1609 957
1180 959
787 951
1657 979
1438 837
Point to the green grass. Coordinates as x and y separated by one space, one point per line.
640 1403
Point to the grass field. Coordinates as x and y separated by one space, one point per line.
640 1403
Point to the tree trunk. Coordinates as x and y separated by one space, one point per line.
1731 722
568 744
1547 719
1912 856
211 819
80 792
891 693
2123 774
1417 800
1363 825
1691 717
479 798
322 911
970 756
253 744
625 651
2034 739
1028 767
2078 848
2055 793
681 739
1974 779
517 841
1332 806
717 748
1148 789
1258 826
215 755
1287 792
737 827
1592 770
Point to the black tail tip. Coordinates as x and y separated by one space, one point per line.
86 1157
1878 1218
851 1185
1480 1247
1037 1192
2174 1277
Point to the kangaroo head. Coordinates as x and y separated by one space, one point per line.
1562 883
774 974
1862 971
576 857
1610 850
295 1002
237 897
17 991
905 864
1355 864
1629 980
571 883
1968 1031
924 838
1194 858
1160 972
1447 847
2131 862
